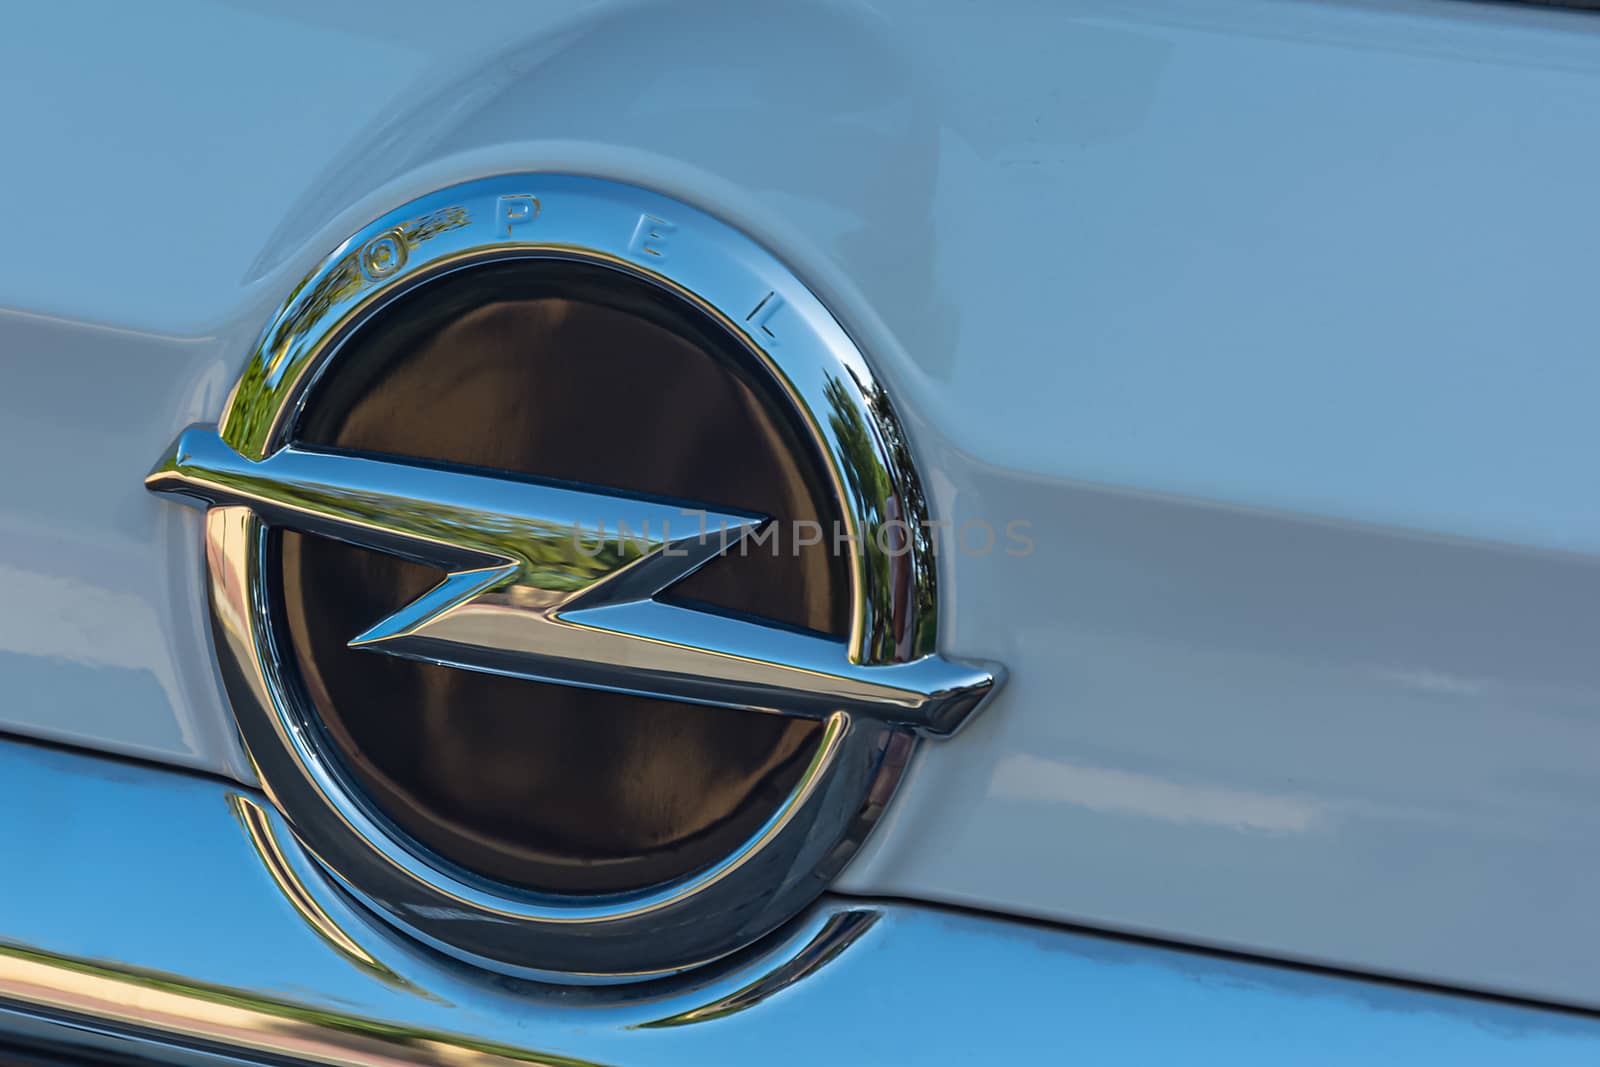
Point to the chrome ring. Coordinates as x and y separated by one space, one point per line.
821 375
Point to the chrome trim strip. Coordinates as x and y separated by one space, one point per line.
143 906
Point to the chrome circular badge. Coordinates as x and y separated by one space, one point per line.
570 578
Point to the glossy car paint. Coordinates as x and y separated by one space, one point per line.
1271 318
313 977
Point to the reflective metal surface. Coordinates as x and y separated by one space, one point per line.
536 591
525 594
211 949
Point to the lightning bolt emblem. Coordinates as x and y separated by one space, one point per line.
525 596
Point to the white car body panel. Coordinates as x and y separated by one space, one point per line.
1273 319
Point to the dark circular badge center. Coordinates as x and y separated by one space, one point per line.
581 373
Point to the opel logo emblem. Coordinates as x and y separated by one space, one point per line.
563 582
